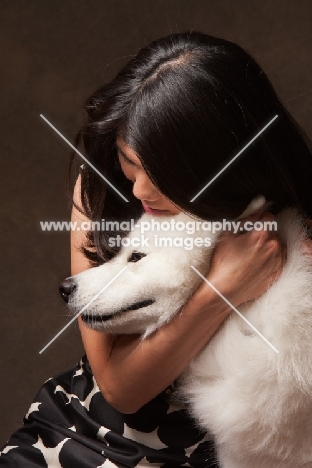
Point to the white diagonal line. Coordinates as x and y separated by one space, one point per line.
83 309
233 159
84 158
235 310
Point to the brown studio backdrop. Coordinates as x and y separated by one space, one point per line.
53 55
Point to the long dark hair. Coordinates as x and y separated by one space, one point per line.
186 104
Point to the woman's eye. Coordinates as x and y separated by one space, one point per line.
136 256
125 160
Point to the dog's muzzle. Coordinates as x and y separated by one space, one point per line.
66 288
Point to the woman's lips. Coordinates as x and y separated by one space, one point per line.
153 211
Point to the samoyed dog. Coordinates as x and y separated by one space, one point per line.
255 400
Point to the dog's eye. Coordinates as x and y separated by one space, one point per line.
136 256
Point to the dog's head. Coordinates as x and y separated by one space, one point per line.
149 279
146 283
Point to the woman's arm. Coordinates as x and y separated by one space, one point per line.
94 342
130 372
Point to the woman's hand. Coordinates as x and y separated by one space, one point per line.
245 264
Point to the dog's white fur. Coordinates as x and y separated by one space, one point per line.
257 403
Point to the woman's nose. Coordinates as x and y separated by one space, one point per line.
144 189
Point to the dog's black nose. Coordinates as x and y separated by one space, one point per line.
66 288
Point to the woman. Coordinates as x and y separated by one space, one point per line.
170 120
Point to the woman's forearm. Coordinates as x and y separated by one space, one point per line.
134 371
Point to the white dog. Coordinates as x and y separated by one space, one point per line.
256 402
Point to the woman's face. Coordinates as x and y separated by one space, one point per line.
143 188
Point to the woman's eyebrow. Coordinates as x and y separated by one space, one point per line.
120 151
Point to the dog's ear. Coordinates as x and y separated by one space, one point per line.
256 204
